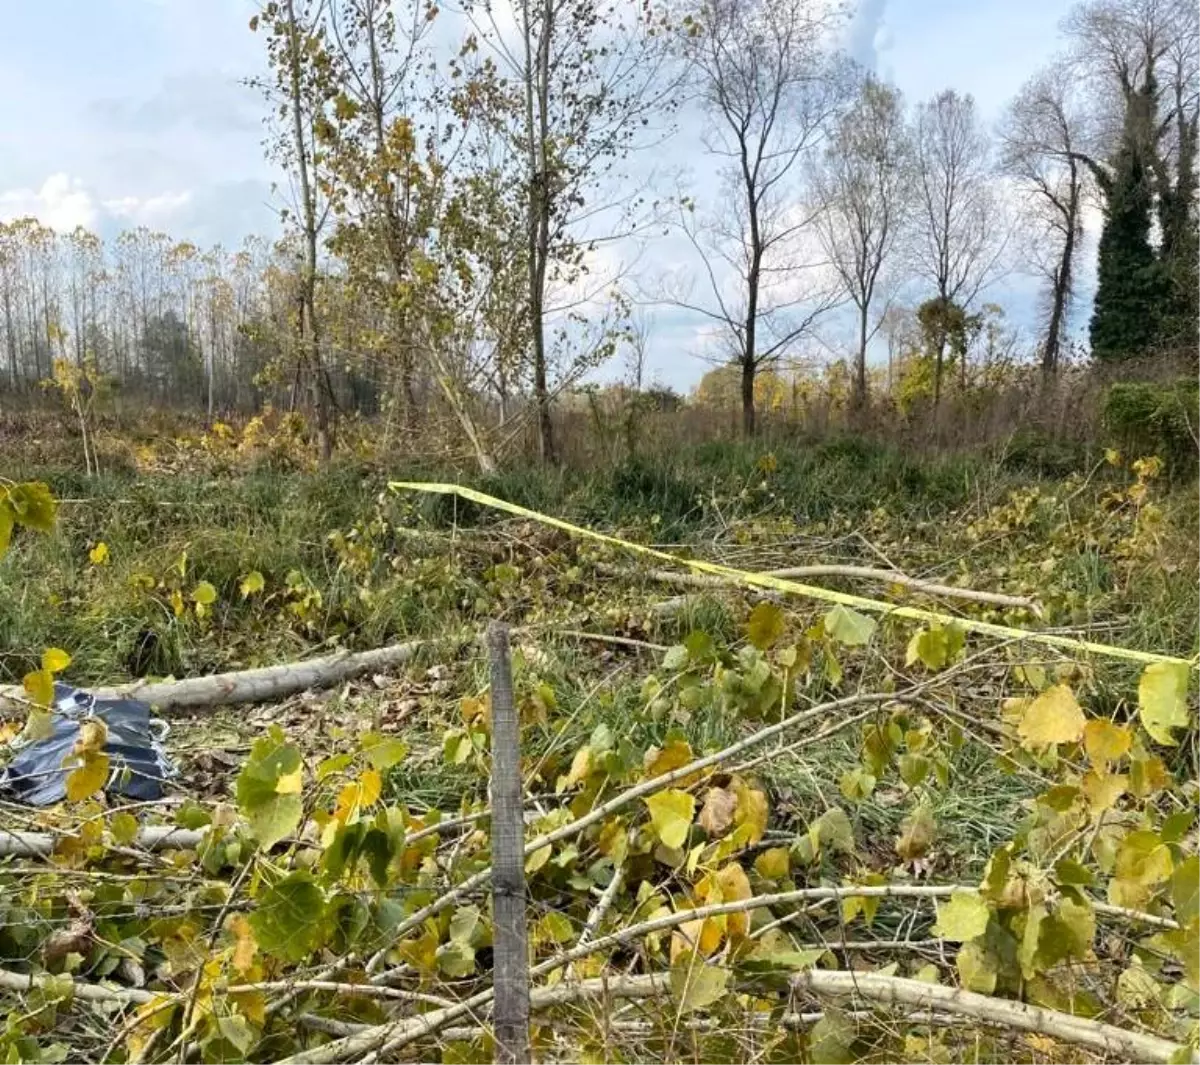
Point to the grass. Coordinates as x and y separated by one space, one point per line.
723 498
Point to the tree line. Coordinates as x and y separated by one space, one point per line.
455 180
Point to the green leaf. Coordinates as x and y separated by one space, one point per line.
929 647
456 959
832 1038
33 505
1162 694
55 660
6 524
379 848
1185 890
963 918
675 658
235 1029
765 624
204 593
465 925
695 984
976 968
289 920
382 751
848 626
1071 873
124 828
1078 921
700 646
1053 717
913 768
556 927
671 815
251 584
857 784
268 794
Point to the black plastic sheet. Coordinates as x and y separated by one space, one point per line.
138 765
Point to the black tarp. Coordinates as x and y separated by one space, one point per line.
138 765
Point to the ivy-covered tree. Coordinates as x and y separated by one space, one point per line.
1132 293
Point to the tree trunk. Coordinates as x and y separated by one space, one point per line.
860 365
310 341
537 76
1062 283
749 422
10 337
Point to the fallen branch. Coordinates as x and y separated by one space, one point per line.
1120 1043
42 844
702 580
388 1037
383 1039
256 685
127 996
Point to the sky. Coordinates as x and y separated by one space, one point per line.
118 113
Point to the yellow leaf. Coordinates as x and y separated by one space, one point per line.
581 766
1053 717
204 594
1103 789
671 815
735 886
372 787
916 834
93 734
55 660
1106 742
149 1018
251 583
751 810
89 778
290 783
356 797
1162 700
245 946
39 686
675 754
177 602
39 726
98 555
1143 859
703 936
772 864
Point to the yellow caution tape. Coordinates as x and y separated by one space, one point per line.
778 584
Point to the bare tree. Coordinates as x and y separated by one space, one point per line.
958 236
1043 134
765 72
863 190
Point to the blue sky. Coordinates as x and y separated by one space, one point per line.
124 112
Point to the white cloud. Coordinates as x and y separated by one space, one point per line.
148 211
64 202
61 203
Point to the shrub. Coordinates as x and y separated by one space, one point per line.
1152 418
